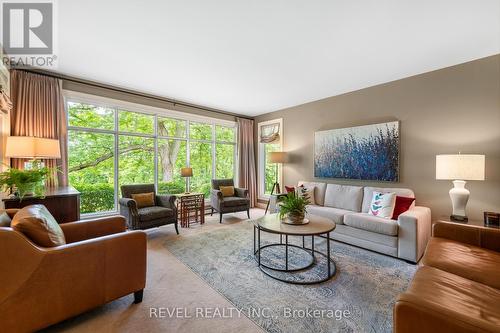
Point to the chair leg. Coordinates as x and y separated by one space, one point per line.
176 228
220 217
138 296
211 211
248 213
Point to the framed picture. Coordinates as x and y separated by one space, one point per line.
368 152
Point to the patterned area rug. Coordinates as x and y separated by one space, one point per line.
358 299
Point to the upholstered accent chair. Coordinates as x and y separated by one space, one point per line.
238 203
163 212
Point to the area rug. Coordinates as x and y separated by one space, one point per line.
358 299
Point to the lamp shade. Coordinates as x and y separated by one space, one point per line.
32 147
277 157
460 167
186 172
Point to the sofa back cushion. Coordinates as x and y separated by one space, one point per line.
368 195
37 224
344 197
319 191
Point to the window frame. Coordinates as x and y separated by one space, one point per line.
119 105
262 158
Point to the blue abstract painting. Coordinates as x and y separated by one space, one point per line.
368 152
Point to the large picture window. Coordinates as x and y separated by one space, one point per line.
111 143
270 139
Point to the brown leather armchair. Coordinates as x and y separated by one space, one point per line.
42 286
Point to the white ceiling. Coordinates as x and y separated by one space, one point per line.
256 56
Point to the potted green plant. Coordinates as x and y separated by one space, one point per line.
25 182
293 207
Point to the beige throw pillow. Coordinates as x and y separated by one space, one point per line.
144 199
227 191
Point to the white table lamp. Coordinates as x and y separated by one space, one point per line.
459 168
32 148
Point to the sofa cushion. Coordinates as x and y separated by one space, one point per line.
471 262
319 191
36 223
344 197
335 214
368 194
154 213
438 301
372 223
235 201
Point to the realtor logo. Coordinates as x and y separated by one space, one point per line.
27 28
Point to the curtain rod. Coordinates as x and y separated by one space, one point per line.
127 91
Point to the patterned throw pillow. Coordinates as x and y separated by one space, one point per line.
382 204
307 192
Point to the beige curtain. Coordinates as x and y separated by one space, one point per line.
38 110
246 158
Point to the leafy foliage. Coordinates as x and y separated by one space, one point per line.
25 181
293 204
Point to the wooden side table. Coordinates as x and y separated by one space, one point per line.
62 202
191 208
479 223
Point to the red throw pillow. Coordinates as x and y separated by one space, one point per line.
402 205
290 189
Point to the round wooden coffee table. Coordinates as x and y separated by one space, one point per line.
317 226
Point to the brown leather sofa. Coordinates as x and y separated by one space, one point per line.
43 286
457 287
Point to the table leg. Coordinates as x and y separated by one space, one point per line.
203 210
254 240
258 242
286 252
312 244
303 241
328 251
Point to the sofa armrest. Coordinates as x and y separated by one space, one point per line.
241 192
128 208
117 262
216 199
86 229
488 238
414 233
167 201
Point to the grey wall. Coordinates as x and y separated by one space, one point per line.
445 111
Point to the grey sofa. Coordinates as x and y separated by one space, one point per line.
162 213
238 203
348 207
